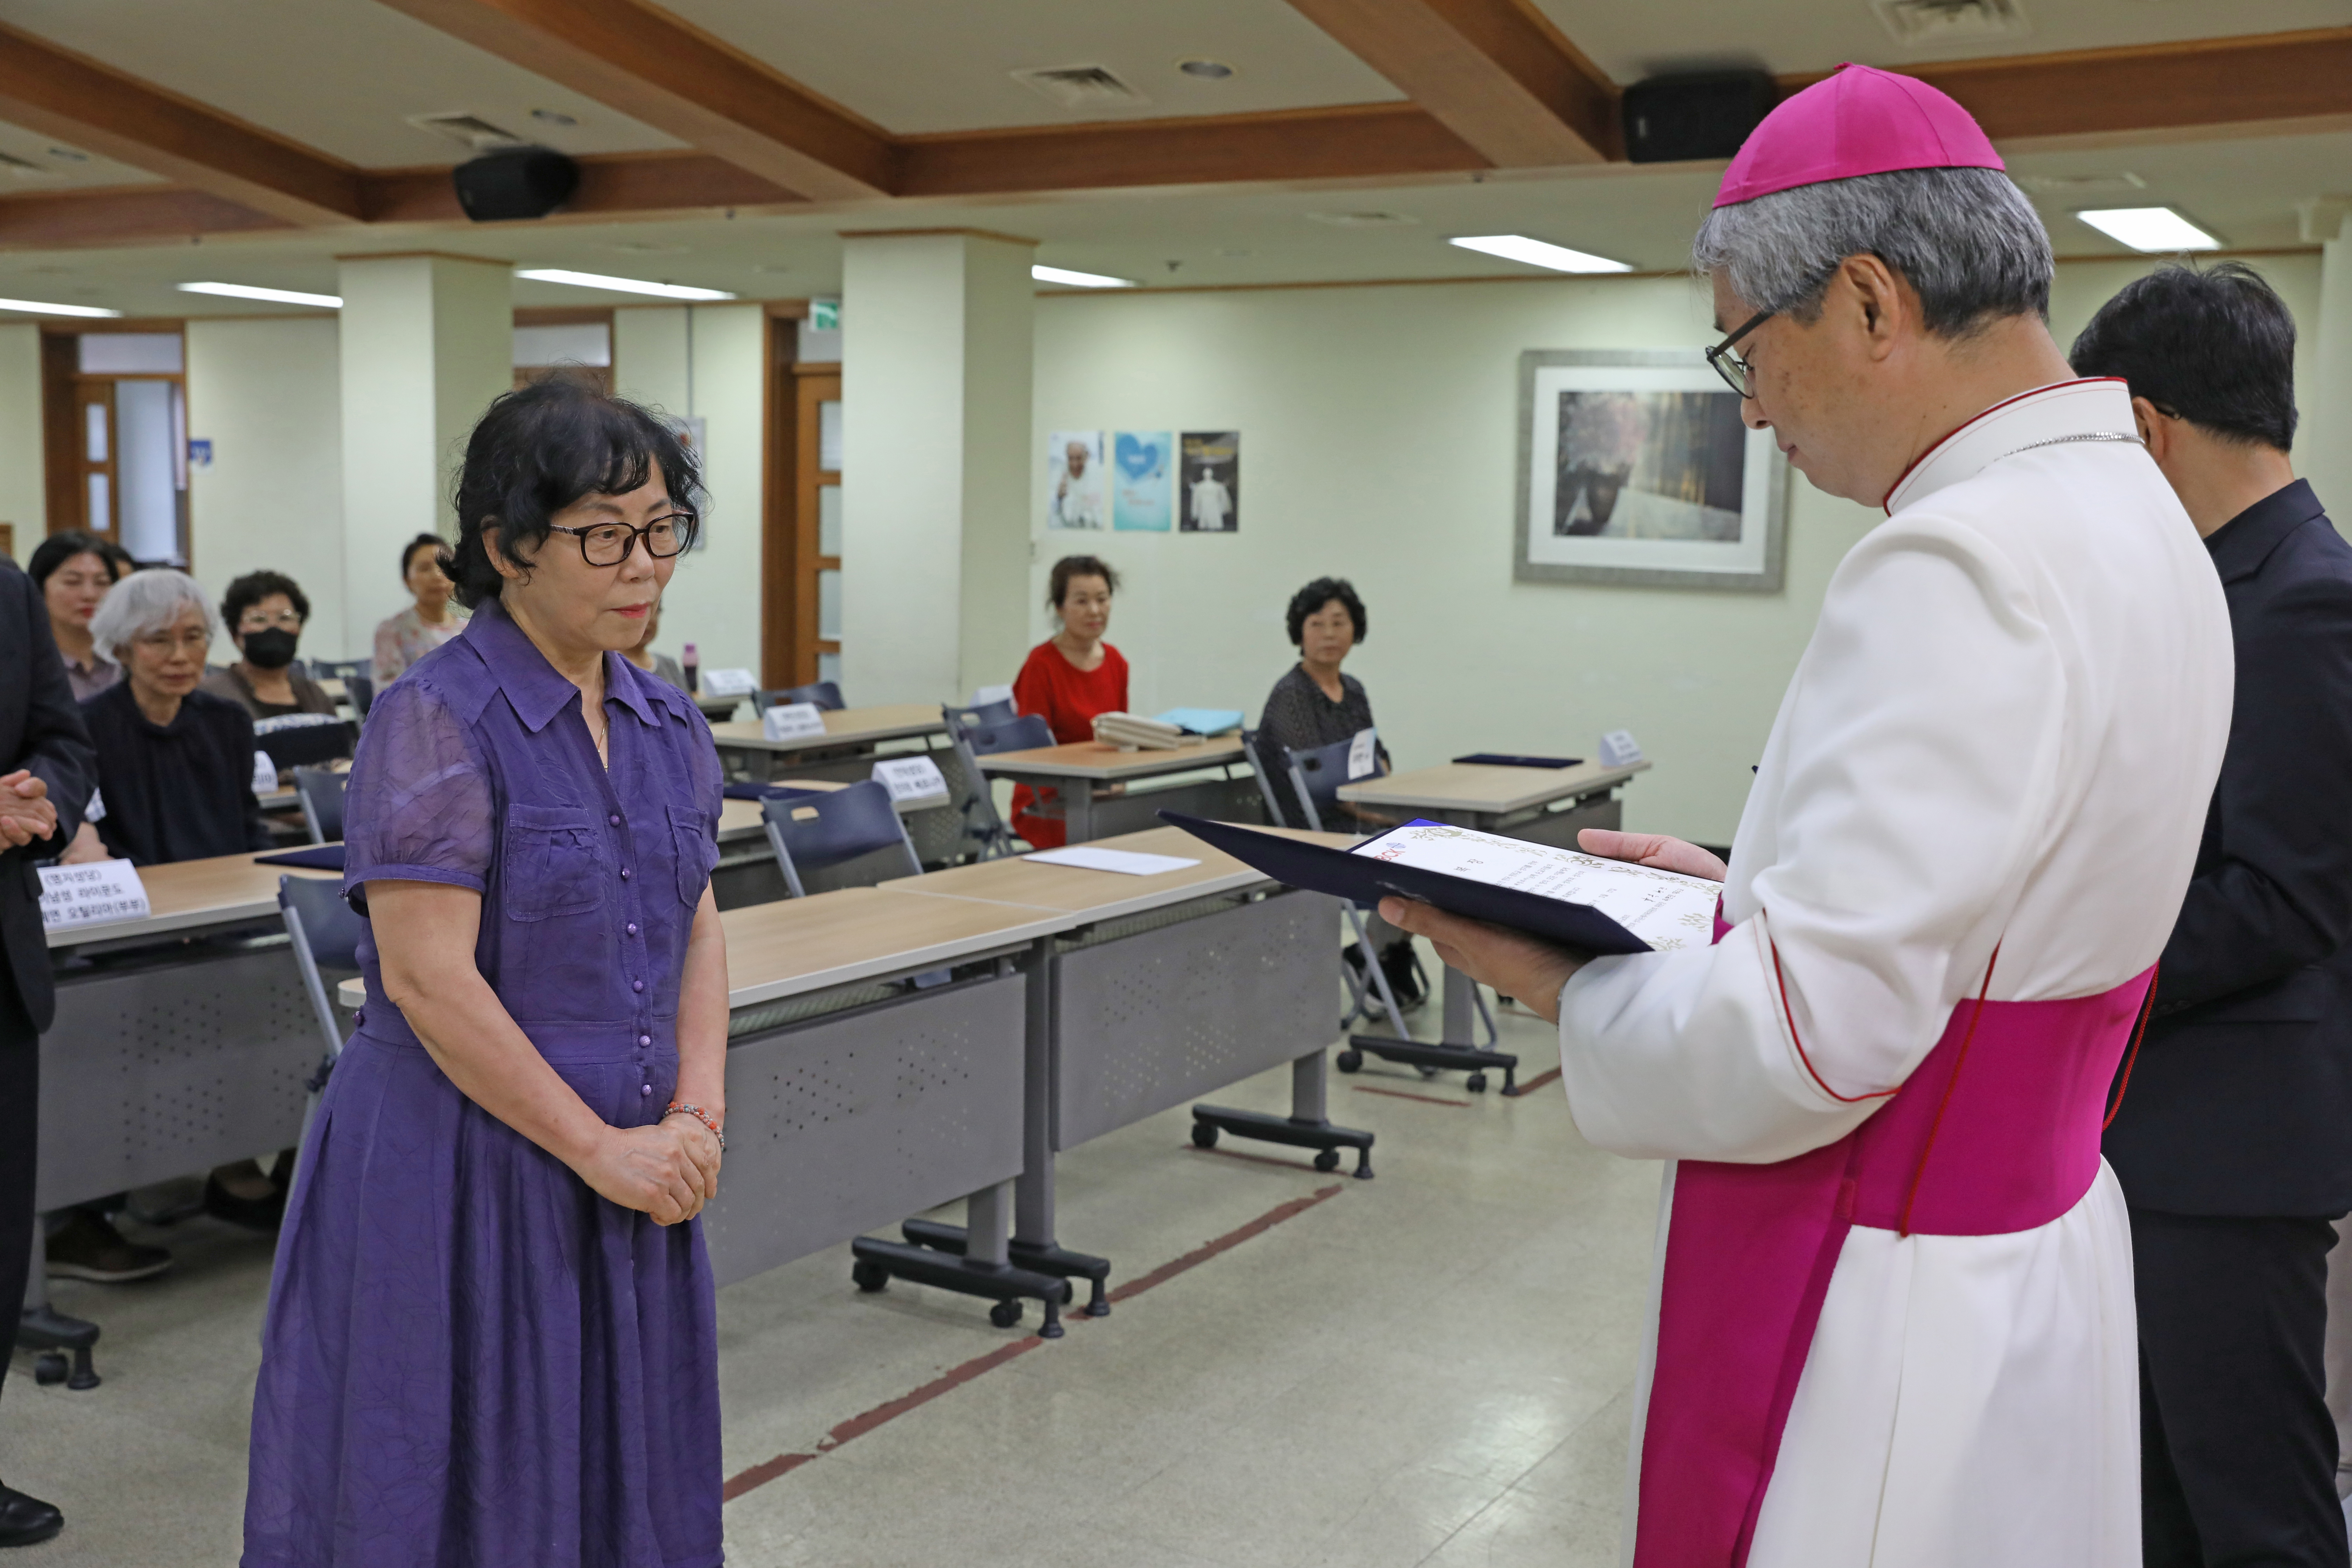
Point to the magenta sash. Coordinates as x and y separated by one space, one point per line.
2009 1144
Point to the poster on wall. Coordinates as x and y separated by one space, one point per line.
1142 464
1210 481
1635 468
1074 478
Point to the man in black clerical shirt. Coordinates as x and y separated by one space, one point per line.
2234 1140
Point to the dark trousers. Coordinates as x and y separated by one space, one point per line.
2237 1447
20 1108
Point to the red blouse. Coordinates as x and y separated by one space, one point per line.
1067 699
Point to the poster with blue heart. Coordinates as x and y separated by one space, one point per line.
1142 464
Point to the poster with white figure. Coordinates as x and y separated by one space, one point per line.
1074 479
1210 481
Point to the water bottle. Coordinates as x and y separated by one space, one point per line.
692 664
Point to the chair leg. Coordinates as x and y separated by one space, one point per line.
1378 978
1493 1035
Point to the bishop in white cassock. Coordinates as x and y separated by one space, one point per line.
1893 1317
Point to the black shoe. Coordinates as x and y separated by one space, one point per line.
1404 974
260 1206
89 1247
27 1521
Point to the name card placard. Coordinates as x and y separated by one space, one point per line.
728 683
265 772
1619 749
912 778
792 721
1363 752
97 893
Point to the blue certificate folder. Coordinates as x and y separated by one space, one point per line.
1507 760
1361 879
1203 721
318 858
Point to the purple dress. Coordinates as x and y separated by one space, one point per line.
471 1360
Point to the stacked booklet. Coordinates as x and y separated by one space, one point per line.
1133 732
1579 900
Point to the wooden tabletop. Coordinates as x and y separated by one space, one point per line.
1100 895
843 727
187 894
1105 764
1485 788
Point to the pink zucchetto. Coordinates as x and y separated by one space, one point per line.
1857 120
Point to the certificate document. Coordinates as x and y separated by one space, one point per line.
1664 909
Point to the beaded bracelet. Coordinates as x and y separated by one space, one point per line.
679 1107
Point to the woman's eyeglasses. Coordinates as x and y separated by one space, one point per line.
609 544
1737 372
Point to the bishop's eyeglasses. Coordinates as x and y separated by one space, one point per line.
1737 372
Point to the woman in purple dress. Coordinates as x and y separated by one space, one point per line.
492 1338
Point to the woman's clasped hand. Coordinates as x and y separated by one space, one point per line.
666 1172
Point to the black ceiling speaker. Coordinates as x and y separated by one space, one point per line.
1706 114
516 182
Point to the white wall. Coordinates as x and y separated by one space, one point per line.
1378 430
707 360
22 500
268 395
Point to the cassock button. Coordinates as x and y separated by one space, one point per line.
636 985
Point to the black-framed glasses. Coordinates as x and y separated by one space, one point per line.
609 544
1737 372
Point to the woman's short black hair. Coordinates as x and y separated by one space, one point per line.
408 552
1057 586
59 548
255 586
542 447
1319 593
2213 345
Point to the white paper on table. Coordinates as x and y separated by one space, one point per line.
792 721
96 893
729 682
1363 752
265 774
1665 908
1088 858
988 694
912 778
96 811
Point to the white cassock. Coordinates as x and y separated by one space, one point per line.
2005 730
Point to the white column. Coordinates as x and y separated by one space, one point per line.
2323 445
23 500
937 342
426 341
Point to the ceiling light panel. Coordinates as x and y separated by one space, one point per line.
1537 253
1068 279
41 308
274 296
619 285
2157 230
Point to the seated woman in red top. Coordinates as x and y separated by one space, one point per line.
1067 679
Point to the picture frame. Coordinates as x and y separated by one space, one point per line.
1634 469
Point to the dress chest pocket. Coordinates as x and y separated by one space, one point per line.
697 852
555 863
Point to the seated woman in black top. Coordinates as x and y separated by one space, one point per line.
1317 705
174 764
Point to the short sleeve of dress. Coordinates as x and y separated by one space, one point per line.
419 807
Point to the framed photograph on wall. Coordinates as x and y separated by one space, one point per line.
1635 468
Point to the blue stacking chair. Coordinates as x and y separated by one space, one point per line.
326 935
826 694
320 790
816 831
978 732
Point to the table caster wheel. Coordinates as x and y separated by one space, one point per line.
1351 1059
1204 1135
869 1277
49 1368
1326 1160
1005 1314
1476 1083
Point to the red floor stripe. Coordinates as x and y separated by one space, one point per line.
955 1377
1400 1094
1537 1081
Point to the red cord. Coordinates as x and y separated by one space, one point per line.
1902 1227
1782 981
2146 1011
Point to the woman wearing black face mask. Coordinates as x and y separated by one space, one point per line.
263 612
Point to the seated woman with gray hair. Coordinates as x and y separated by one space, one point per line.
174 763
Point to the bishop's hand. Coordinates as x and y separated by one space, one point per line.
1515 965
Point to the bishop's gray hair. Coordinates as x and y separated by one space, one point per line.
146 601
1967 241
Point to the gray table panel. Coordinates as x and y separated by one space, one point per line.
1150 1021
854 1120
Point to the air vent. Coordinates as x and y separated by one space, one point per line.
24 168
1924 22
469 131
2082 185
1080 86
1364 220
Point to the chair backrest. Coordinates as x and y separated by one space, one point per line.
326 933
1316 773
1025 732
983 715
820 830
983 731
826 694
320 790
303 745
361 688
1267 768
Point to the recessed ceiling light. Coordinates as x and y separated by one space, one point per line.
37 308
1079 280
552 117
2158 230
1364 219
1537 253
619 285
1207 70
275 296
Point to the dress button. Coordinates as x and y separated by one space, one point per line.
644 1039
614 819
644 1089
633 928
625 873
636 985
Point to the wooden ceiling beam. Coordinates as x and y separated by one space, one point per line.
611 185
655 67
98 109
1493 72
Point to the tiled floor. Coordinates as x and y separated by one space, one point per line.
1433 1367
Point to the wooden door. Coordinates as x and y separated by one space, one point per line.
96 438
802 632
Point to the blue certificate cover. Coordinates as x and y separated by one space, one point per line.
1360 878
317 857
